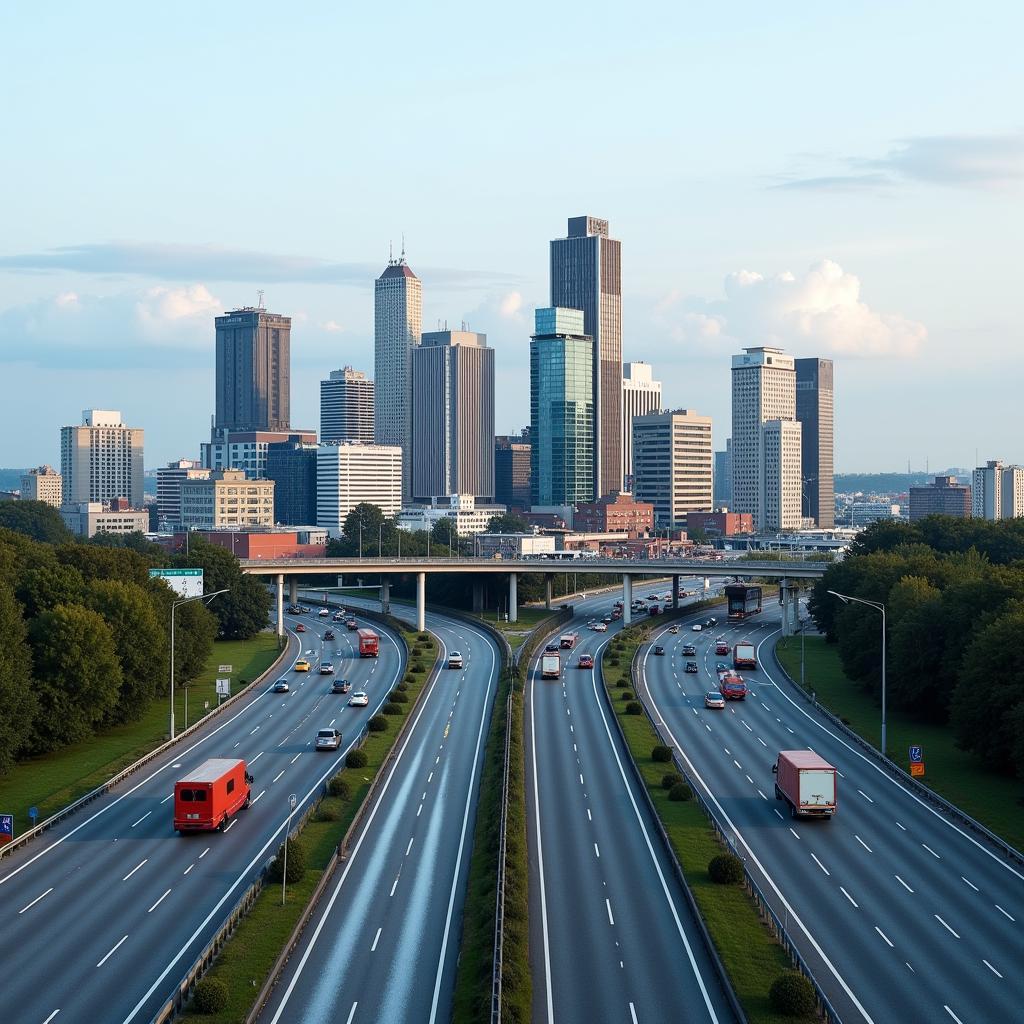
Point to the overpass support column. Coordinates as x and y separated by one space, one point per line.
280 604
293 590
794 624
421 601
675 593
385 595
513 597
549 580
478 596
627 599
784 604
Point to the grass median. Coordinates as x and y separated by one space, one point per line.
753 959
62 776
249 955
994 800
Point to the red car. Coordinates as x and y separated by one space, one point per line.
721 647
732 687
300 628
586 661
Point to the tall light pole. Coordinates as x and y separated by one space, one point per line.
175 605
380 539
292 800
878 606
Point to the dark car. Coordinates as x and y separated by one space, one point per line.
340 686
281 686
691 666
551 647
689 649
294 609
712 621
329 635
659 649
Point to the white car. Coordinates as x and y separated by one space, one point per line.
599 627
696 627
455 660
358 700
328 739
324 612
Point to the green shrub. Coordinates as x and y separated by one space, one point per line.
355 759
634 707
625 695
403 686
424 638
392 709
338 786
669 780
211 996
399 696
660 753
726 869
792 995
377 724
680 791
327 812
622 681
296 863
418 668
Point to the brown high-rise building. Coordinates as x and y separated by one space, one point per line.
253 370
946 497
512 470
586 274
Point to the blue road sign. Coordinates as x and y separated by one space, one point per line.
33 813
916 755
6 827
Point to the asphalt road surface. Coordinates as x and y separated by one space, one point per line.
104 914
901 914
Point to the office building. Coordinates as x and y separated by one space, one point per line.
292 467
615 513
719 524
641 394
452 416
562 462
815 411
763 388
43 484
397 325
87 518
349 473
101 460
512 470
1012 496
227 499
253 370
672 464
997 491
169 479
945 496
346 407
864 513
247 449
586 274
722 484
466 514
514 545
779 474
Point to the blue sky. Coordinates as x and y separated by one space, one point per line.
843 181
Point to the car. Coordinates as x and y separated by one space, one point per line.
294 609
302 665
696 627
607 620
300 628
721 647
691 666
329 635
455 659
281 686
551 647
326 668
328 739
600 627
340 686
658 649
351 625
714 699
358 700
673 630
586 661
324 612
654 597
689 650
339 616
712 621
721 667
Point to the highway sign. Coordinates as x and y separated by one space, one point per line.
917 769
225 669
223 687
33 813
6 828
916 755
184 582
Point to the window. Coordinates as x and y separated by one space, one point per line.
231 785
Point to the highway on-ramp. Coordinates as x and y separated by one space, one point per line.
612 936
103 915
900 912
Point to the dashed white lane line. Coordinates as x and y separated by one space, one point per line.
277 776
866 797
158 902
394 886
608 905
188 869
970 883
112 952
419 810
597 851
708 727
581 778
762 742
795 836
991 968
884 936
52 1015
430 776
862 843
143 818
256 758
254 730
255 798
822 866
28 906
848 896
904 884
761 795
170 796
1004 913
351 1013
409 847
231 826
946 926
134 869
931 851
765 706
376 939
738 765
902 826
952 1014
632 1014
779 813
590 817
298 755
204 853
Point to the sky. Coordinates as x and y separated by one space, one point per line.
843 181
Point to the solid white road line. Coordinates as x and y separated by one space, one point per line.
884 936
904 884
111 953
28 906
946 926
158 902
134 869
376 939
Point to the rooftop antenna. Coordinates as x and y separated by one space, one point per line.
402 257
259 298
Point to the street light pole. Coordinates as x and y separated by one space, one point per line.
175 605
380 539
878 606
287 832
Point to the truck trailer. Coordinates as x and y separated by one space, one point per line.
567 641
743 601
806 782
744 655
210 795
369 643
550 666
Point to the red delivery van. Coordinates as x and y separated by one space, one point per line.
209 796
369 643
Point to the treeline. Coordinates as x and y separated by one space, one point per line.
954 596
84 630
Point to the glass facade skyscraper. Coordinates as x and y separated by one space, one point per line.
561 409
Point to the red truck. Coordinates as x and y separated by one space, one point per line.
567 641
732 686
209 796
806 782
369 643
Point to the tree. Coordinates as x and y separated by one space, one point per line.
17 695
99 562
915 648
364 520
78 672
508 522
134 541
48 586
35 519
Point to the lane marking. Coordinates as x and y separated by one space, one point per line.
862 843
158 902
299 754
822 866
409 847
394 885
170 796
952 1014
255 798
111 953
991 968
608 905
866 797
971 884
931 851
946 926
632 1009
257 757
848 896
884 936
589 815
597 852
277 776
795 836
351 1013
134 869
28 906
902 826
1001 911
52 1015
904 884
188 869
231 826
376 939
143 818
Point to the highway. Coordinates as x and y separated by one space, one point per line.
901 914
104 914
383 943
611 932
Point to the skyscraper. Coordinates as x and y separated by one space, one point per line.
253 370
512 470
723 476
348 474
292 467
997 491
586 274
561 409
641 394
453 416
763 388
102 459
398 316
346 407
814 410
779 474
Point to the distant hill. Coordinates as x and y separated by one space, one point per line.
891 483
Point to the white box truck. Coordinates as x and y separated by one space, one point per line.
550 666
806 782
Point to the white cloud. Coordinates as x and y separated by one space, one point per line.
819 312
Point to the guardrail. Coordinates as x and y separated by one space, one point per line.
499 901
124 773
904 778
